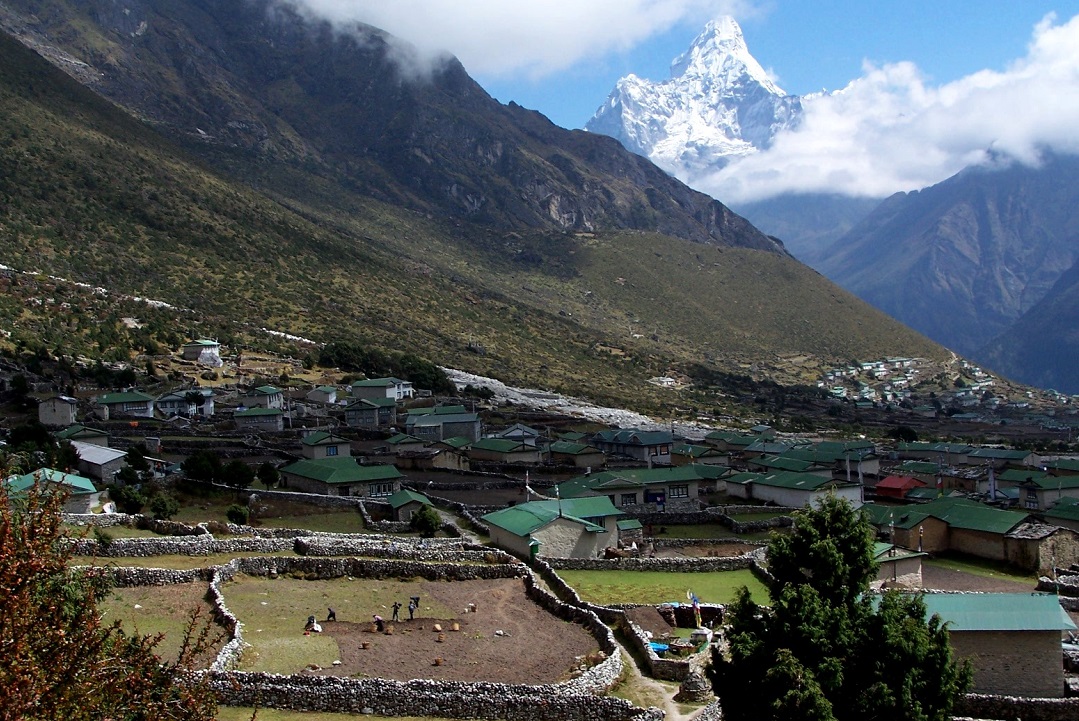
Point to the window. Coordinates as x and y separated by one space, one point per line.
381 489
679 491
629 499
661 450
1032 495
331 450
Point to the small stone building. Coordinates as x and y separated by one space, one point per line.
341 476
567 528
83 495
259 419
1011 639
58 411
405 502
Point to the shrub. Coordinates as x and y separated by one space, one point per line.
238 514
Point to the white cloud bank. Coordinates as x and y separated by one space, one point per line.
888 131
509 38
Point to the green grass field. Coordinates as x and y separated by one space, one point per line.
655 587
152 610
176 562
708 530
982 567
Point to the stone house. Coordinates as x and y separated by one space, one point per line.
402 442
187 403
372 388
671 489
1038 491
519 432
127 403
433 458
578 455
729 441
371 413
683 454
651 447
948 524
899 567
58 411
405 502
1039 547
438 422
263 397
100 462
1011 639
324 395
84 434
321 444
83 495
341 476
503 450
259 419
790 489
1063 513
567 528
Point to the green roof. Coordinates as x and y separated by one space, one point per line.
341 470
403 438
125 397
455 442
1052 483
501 445
694 451
731 438
405 496
1066 509
252 412
437 411
1018 475
202 342
1064 464
373 403
924 492
572 449
79 431
79 486
998 611
957 513
799 481
999 454
923 467
636 477
634 437
629 524
525 518
377 382
320 437
266 391
890 552
784 463
573 436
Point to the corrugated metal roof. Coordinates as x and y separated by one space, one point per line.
341 470
999 611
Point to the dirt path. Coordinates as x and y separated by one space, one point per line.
661 690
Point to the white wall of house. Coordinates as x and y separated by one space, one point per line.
563 538
797 498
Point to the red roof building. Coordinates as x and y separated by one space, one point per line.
898 486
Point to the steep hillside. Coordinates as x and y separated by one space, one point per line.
965 259
808 224
89 193
1041 347
256 81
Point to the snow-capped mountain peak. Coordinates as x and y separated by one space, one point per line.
718 103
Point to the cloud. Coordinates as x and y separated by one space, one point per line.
888 131
499 38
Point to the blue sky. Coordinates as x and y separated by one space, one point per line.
929 87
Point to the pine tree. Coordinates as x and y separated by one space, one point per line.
827 649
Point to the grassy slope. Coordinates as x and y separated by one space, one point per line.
90 194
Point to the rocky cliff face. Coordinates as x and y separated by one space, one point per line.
965 260
251 81
718 103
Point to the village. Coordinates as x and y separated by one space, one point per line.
321 478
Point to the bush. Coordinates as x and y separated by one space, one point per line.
425 521
127 499
163 507
238 514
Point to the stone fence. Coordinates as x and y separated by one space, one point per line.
984 706
672 565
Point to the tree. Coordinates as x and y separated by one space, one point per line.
268 475
127 498
238 474
828 649
163 506
57 660
425 521
202 466
238 514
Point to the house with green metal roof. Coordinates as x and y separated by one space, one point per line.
323 395
341 476
579 455
899 567
203 350
1064 513
729 441
371 413
960 525
434 424
263 397
770 464
652 447
670 489
1011 639
321 444
1063 466
1039 491
83 495
682 454
565 528
85 434
401 442
394 388
791 489
127 403
405 502
259 419
1002 457
503 450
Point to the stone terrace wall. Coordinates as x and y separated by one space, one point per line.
672 565
422 698
984 706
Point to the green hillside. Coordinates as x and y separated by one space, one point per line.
90 194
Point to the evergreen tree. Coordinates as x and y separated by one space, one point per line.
425 521
827 649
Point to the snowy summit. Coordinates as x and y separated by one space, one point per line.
718 103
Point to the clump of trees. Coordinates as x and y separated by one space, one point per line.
425 521
57 659
351 356
826 649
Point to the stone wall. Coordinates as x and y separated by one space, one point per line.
671 565
984 706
